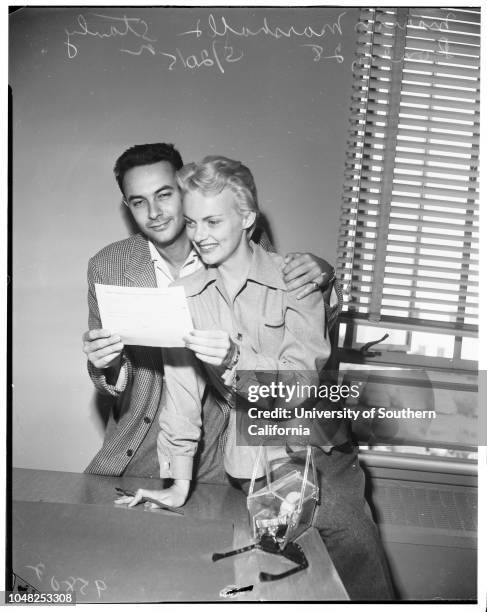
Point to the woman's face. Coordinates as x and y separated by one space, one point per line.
215 225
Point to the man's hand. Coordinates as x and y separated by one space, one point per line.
213 346
174 496
306 272
102 348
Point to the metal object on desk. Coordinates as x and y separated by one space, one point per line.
280 512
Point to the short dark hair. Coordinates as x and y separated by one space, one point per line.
143 155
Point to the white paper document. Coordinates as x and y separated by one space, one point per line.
145 316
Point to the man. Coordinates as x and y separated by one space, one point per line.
160 253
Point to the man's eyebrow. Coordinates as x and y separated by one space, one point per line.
163 188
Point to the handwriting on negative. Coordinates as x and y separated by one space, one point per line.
218 52
71 584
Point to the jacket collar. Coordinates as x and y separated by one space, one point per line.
263 270
140 269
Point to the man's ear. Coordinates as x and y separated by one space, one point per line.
249 217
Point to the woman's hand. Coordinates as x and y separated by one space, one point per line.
213 346
173 496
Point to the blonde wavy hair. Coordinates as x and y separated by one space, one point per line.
214 173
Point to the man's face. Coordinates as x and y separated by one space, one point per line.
152 194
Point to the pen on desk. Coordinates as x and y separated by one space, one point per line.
124 492
151 499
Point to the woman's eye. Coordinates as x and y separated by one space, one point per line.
189 223
213 222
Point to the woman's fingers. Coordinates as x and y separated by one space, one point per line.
209 359
138 497
151 505
206 336
207 350
209 345
208 342
124 499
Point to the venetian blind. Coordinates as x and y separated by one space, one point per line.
408 241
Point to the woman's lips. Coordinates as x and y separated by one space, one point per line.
206 248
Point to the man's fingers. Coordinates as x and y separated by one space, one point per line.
109 351
302 282
104 362
291 267
297 271
298 259
95 334
290 256
306 291
97 345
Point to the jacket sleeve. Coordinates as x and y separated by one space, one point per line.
180 414
303 352
333 304
98 375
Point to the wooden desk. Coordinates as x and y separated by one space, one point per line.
221 506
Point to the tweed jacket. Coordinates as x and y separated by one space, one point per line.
126 263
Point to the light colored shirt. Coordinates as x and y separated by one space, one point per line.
278 334
163 274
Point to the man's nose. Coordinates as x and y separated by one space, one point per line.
155 208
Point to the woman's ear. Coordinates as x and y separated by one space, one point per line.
249 217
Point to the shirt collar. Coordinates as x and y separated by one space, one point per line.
157 258
264 270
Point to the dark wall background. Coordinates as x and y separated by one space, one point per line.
268 86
